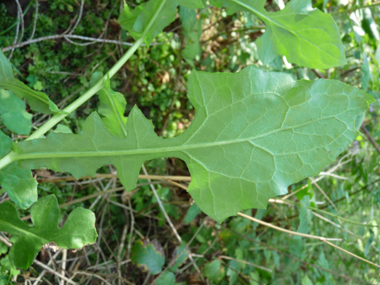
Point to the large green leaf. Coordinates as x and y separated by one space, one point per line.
38 101
112 107
78 231
161 12
254 134
306 36
13 114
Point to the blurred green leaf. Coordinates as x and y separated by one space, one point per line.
13 114
167 278
180 255
192 30
305 215
233 271
305 35
148 256
214 271
192 213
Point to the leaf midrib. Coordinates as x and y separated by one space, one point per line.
24 231
73 154
6 84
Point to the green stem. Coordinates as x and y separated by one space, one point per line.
354 9
89 93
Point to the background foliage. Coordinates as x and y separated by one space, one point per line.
135 244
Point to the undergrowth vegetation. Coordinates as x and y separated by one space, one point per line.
259 164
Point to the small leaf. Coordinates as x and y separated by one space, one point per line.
306 280
112 107
214 271
148 256
307 191
128 18
19 184
192 213
167 278
191 4
233 271
78 230
13 114
63 129
38 101
306 36
179 255
139 21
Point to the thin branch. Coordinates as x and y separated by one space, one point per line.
293 257
341 228
35 21
284 230
350 253
47 268
64 260
325 240
55 37
7 243
22 19
42 274
168 219
324 194
79 17
370 138
17 31
245 262
92 275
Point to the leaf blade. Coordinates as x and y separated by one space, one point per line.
74 234
239 154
